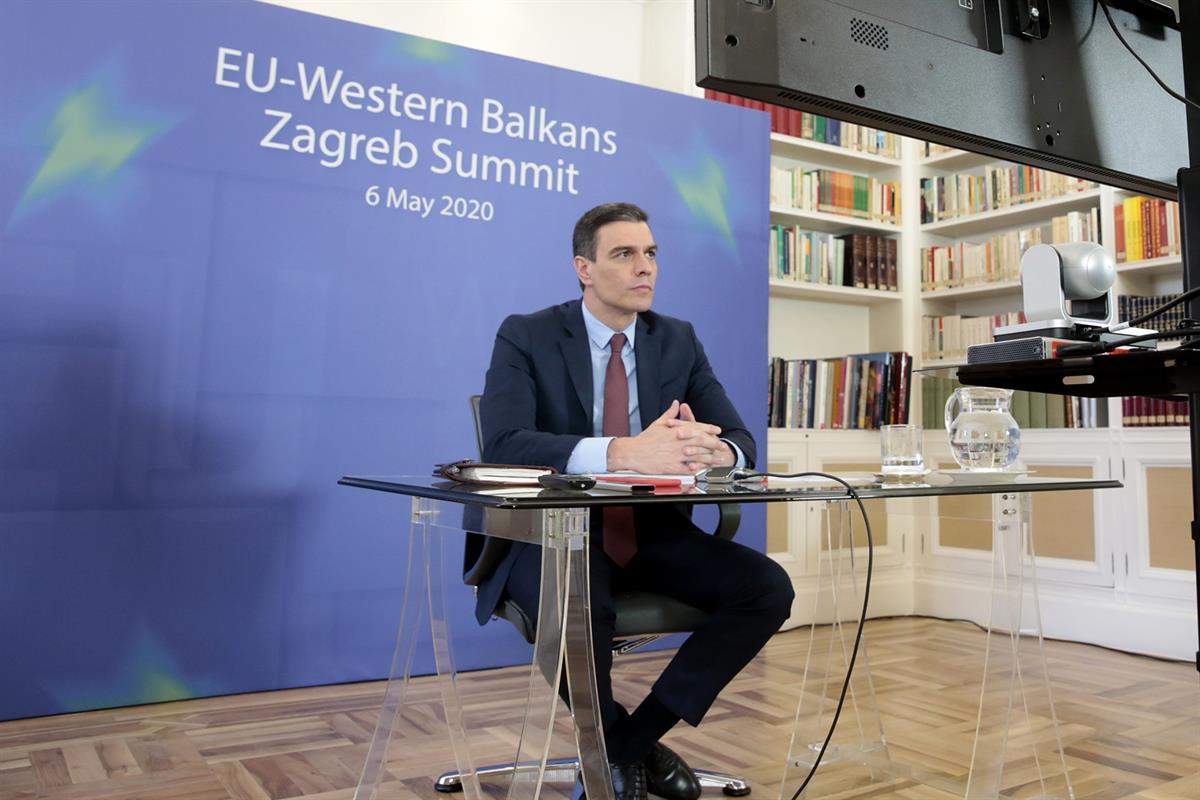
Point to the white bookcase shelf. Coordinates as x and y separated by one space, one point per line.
829 223
956 161
974 290
850 295
1012 216
828 155
1165 266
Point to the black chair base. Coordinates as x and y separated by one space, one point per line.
565 770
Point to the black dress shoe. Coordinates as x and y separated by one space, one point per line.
628 780
669 776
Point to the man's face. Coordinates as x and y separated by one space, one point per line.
622 277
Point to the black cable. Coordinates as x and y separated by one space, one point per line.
1104 7
862 617
1096 348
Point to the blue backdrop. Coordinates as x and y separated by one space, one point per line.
246 250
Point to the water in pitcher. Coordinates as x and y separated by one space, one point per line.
985 454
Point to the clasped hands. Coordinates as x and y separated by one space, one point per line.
674 443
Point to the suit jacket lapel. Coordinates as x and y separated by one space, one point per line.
646 351
578 356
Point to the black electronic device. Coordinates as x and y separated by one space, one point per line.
625 486
577 483
719 475
726 475
1042 82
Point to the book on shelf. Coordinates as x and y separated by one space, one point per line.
949 336
817 128
998 259
857 259
1153 412
855 392
1130 306
1146 227
963 194
932 149
1031 410
831 191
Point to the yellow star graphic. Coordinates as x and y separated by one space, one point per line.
89 142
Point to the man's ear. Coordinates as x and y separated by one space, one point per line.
583 269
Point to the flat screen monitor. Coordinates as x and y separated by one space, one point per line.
1055 89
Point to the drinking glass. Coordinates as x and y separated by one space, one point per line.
900 450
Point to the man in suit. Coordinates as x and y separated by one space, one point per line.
602 384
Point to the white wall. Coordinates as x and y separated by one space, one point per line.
640 41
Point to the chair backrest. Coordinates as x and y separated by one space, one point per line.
475 398
482 554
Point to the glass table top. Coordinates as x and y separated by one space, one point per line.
867 485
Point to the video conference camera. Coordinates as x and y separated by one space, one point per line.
1067 295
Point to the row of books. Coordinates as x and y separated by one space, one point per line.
854 392
1146 228
1029 409
999 258
948 337
834 192
1130 306
817 128
952 196
931 149
856 259
1153 412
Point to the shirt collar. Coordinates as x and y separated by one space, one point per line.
599 333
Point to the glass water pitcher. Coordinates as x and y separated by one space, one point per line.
984 437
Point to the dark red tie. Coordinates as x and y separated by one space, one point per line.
619 541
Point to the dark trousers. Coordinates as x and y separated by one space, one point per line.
747 596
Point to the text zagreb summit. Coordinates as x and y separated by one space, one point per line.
236 69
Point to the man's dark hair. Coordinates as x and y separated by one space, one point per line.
584 237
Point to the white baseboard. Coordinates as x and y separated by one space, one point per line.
1080 614
891 595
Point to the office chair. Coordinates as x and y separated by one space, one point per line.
642 617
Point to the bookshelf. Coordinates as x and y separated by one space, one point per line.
1119 577
813 320
1119 544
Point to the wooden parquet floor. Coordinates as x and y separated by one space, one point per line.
1130 729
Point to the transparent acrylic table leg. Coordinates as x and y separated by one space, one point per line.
581 666
412 608
1017 738
837 601
425 590
533 748
443 649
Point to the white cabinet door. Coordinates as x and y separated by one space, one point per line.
787 452
1073 532
1158 559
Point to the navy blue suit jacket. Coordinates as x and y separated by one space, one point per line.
537 402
